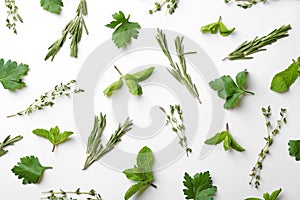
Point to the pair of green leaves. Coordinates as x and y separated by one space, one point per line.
294 149
283 80
11 74
229 90
54 135
199 187
124 29
132 82
29 169
267 196
53 6
213 28
141 172
227 139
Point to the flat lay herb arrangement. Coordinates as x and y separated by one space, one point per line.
197 187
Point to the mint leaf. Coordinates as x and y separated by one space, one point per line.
135 188
213 28
217 139
124 30
283 80
11 74
29 169
294 149
267 196
113 87
53 6
141 75
224 31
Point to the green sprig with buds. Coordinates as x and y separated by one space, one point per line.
171 6
256 170
65 195
247 3
48 99
12 15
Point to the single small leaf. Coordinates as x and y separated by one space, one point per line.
227 143
217 139
134 87
11 74
235 145
219 86
29 169
135 188
212 28
113 87
135 174
223 29
53 6
241 79
275 194
141 75
232 101
294 149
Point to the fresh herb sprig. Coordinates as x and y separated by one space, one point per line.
171 6
273 196
48 99
175 119
7 142
256 45
256 170
95 150
213 28
74 29
12 15
67 195
247 3
179 70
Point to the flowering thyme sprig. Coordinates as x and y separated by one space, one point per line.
65 195
171 6
12 15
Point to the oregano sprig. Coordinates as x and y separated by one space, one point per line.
67 195
48 99
247 3
272 132
13 15
74 29
171 6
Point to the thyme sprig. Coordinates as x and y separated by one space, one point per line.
179 70
48 99
171 6
257 44
256 170
7 142
175 119
12 15
247 3
95 150
65 195
74 28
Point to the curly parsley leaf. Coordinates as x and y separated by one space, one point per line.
294 149
124 29
229 90
227 139
141 172
267 196
11 74
29 169
53 6
54 135
199 187
283 80
213 28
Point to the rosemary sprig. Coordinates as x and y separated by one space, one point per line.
256 45
48 99
12 15
65 195
95 150
171 6
256 170
7 142
247 3
74 29
175 119
178 71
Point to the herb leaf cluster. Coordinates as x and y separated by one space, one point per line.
267 196
213 28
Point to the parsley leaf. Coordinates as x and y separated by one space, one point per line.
124 30
229 90
142 172
29 169
227 139
199 187
54 135
11 74
294 149
283 80
213 28
132 82
267 196
53 6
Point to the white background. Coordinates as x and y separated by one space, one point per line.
229 170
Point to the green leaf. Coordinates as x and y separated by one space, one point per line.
275 194
241 79
199 187
29 169
3 152
135 174
223 29
54 135
294 149
267 196
234 145
212 28
135 188
217 139
232 101
53 6
253 198
227 143
124 30
283 80
141 75
113 87
11 74
134 87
